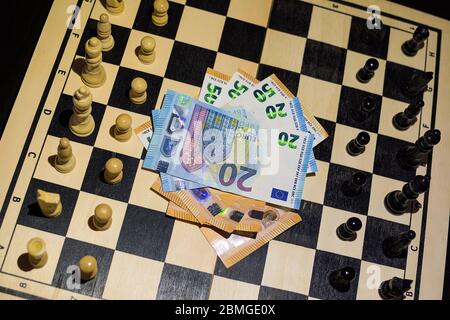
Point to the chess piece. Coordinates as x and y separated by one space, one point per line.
159 15
394 289
81 122
366 73
138 91
365 109
404 120
88 268
353 187
93 74
399 202
122 128
113 173
49 203
412 46
397 246
115 6
410 158
358 145
65 160
342 278
147 50
348 230
104 33
417 83
373 37
102 217
37 253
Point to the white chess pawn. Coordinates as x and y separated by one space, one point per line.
115 6
81 122
65 160
37 253
138 91
93 74
113 173
147 50
122 129
159 15
104 33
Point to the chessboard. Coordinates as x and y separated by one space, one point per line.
314 47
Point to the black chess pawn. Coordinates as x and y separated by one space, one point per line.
368 71
403 120
341 279
417 83
412 46
348 230
358 145
394 289
397 246
364 110
410 158
399 202
353 187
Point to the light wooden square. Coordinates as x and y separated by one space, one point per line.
395 54
356 61
227 289
283 50
81 228
339 154
320 97
105 139
328 240
389 109
132 278
371 276
188 248
163 49
46 171
330 27
142 195
255 11
101 94
288 267
200 28
180 87
16 261
315 184
228 64
125 19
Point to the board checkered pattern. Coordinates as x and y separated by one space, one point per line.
315 49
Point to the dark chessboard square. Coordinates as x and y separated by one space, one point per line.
59 127
188 63
377 230
289 78
144 23
267 293
243 40
291 16
94 182
386 163
145 233
305 233
31 215
334 196
120 93
395 77
324 264
376 48
178 283
72 252
322 151
324 61
120 35
351 99
250 269
216 6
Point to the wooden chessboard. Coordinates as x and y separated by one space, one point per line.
314 47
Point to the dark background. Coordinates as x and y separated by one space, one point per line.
23 20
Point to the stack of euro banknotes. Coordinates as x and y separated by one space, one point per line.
233 160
